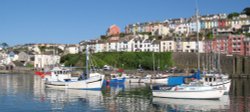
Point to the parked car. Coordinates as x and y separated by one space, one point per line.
106 68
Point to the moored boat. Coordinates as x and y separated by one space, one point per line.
191 91
155 80
93 83
63 79
217 81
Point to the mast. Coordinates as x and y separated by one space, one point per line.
197 35
219 59
153 61
87 60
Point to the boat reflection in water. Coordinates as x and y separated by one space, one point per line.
168 104
64 98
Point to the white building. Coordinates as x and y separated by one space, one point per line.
124 44
112 46
100 47
167 45
10 57
147 44
42 61
191 46
72 49
182 29
138 42
3 58
160 29
155 46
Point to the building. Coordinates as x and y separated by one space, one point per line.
182 29
245 28
42 61
247 46
124 44
100 46
167 45
208 46
11 56
191 46
229 44
113 30
155 46
72 49
24 57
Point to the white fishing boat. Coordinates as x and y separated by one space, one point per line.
60 74
192 91
134 79
155 80
217 80
63 79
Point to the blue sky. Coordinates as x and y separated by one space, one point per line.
70 21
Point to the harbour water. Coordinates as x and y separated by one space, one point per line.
26 93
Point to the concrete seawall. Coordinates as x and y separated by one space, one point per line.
235 66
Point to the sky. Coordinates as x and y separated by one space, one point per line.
71 21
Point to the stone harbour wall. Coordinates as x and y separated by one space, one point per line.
235 66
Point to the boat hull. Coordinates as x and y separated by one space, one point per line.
156 81
118 80
205 94
94 83
134 80
221 84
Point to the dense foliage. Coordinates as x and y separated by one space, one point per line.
246 11
126 60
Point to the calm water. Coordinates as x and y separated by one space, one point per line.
26 93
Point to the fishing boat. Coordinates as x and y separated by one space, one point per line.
159 79
117 78
217 80
193 90
59 74
94 81
134 79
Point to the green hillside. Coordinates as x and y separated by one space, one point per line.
126 60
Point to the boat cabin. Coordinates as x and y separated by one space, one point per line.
60 74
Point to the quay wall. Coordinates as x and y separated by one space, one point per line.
235 66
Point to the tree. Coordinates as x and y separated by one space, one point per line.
246 11
231 15
4 45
